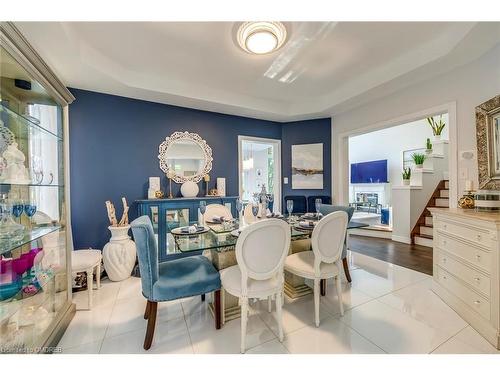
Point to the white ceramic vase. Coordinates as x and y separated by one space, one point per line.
119 254
406 182
189 189
437 138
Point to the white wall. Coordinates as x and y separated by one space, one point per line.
389 144
468 86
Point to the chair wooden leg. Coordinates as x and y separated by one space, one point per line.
244 320
269 304
150 331
346 270
279 313
339 294
323 287
316 301
146 312
217 308
203 297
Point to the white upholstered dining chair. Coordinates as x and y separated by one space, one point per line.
261 250
217 210
324 261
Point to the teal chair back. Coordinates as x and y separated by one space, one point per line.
147 253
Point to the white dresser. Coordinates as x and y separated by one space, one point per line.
466 266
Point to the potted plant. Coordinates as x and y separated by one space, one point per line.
428 147
418 159
406 176
437 126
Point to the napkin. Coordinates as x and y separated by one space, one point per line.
218 219
306 224
190 229
274 214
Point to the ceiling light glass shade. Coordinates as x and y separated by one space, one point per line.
261 37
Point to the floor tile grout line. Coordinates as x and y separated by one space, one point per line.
187 327
363 336
453 336
110 315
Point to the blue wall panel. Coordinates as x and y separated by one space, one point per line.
303 132
114 147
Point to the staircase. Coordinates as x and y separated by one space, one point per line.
422 232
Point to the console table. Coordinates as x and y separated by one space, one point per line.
167 214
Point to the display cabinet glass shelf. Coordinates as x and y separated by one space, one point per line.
35 235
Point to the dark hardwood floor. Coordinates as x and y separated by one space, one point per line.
415 257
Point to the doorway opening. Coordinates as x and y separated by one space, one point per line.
259 166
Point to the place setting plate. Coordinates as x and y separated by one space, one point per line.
180 231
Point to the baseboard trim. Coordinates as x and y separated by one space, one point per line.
402 239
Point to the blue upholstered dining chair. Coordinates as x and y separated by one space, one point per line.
171 280
326 209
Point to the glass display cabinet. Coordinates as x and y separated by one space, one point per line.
35 234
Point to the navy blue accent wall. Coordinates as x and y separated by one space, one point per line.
303 132
114 150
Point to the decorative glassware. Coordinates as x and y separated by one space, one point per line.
317 203
289 207
9 229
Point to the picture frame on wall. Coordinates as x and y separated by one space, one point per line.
307 166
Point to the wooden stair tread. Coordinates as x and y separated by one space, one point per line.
427 225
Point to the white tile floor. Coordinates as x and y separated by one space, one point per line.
389 309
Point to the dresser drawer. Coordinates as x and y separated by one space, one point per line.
470 297
465 251
480 236
472 277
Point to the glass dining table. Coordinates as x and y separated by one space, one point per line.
218 244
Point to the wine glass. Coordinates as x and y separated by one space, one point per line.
255 210
289 207
203 209
29 210
239 207
18 208
317 203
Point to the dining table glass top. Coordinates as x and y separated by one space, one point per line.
220 237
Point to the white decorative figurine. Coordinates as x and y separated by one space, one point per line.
15 172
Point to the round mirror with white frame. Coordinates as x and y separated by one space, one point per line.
185 157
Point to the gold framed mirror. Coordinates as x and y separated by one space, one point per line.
488 143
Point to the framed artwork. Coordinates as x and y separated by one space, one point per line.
307 166
488 143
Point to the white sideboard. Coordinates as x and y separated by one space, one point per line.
466 266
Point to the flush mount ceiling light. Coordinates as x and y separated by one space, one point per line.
261 37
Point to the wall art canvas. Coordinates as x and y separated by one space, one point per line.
307 166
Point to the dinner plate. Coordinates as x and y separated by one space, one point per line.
179 232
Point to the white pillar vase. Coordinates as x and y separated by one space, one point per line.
119 254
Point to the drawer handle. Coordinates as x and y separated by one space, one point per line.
479 237
444 242
477 279
477 303
444 278
445 227
478 257
444 260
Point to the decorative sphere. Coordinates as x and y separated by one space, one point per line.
189 189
